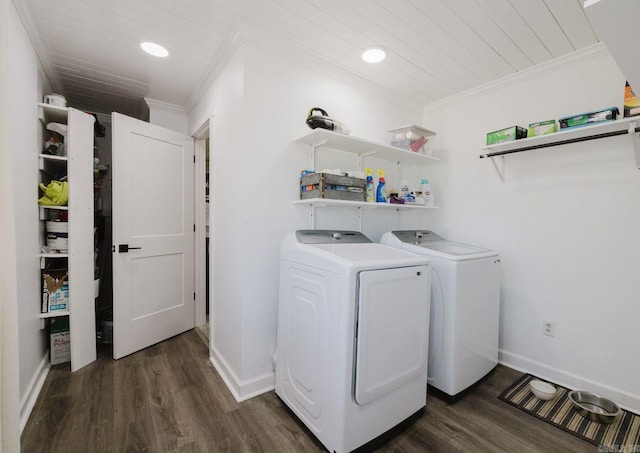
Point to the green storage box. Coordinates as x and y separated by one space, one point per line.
506 135
543 128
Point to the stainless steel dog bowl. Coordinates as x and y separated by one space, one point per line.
594 407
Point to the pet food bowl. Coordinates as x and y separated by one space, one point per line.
542 390
594 407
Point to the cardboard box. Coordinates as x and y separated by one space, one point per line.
631 102
55 290
60 340
506 135
336 187
543 128
589 118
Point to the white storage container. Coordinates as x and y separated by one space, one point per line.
58 235
412 138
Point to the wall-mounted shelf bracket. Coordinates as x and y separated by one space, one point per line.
312 217
312 155
361 159
635 137
499 166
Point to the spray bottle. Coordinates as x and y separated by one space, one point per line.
381 192
427 195
371 194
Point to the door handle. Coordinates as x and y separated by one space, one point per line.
124 248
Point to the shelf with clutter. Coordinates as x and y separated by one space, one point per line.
358 189
65 213
609 127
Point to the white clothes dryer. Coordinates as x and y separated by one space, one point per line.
465 309
353 335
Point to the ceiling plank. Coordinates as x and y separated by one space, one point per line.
571 17
543 24
507 18
478 20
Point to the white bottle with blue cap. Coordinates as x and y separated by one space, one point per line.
427 195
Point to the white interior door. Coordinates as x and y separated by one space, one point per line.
153 234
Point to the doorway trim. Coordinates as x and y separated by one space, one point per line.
200 136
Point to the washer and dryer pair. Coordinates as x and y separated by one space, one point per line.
353 332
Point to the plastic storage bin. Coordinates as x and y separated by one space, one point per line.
412 138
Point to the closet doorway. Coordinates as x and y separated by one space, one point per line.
202 245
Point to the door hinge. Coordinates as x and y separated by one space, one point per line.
194 227
194 296
194 158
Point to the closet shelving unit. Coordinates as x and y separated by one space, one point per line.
77 163
607 129
323 138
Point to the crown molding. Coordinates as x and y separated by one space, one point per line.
164 106
40 48
588 53
223 56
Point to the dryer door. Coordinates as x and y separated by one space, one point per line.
392 333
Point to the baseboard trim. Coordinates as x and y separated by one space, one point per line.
35 386
241 390
624 399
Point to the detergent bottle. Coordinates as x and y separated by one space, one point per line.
371 195
381 192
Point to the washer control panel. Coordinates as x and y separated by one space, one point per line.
331 237
416 236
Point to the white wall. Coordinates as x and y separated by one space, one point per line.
26 88
566 222
169 116
9 376
259 104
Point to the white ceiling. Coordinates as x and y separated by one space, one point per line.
436 48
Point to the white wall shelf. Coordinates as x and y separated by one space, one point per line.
52 157
43 214
597 131
326 202
48 113
78 165
53 314
323 138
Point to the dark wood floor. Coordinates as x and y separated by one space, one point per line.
169 398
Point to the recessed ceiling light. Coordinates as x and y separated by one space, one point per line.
374 55
154 49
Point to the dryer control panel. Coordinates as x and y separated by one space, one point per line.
331 237
416 236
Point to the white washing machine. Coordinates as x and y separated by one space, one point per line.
465 309
353 335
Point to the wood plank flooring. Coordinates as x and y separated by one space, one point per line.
169 398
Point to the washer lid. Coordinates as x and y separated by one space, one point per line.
429 240
453 248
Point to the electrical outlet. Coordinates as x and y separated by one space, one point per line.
549 328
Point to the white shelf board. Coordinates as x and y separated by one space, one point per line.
350 144
59 208
54 314
324 202
42 212
561 137
52 157
54 255
48 113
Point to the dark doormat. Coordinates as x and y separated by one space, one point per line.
623 435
